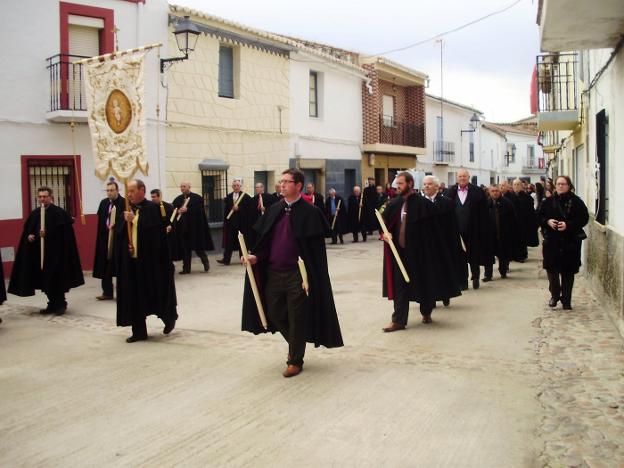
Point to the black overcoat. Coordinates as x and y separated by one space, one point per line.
61 266
145 285
3 296
341 226
192 231
353 208
240 220
504 228
100 260
475 236
368 208
562 249
309 228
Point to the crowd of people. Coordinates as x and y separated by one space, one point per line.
436 240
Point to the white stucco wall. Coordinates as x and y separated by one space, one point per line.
25 97
337 132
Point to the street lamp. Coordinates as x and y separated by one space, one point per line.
186 35
474 123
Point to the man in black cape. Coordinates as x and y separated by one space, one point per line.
424 232
527 219
314 197
291 229
240 205
355 216
277 195
503 231
381 199
335 208
259 204
145 284
472 220
61 262
369 205
192 231
166 211
103 263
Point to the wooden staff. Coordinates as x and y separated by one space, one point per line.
360 207
186 202
463 244
392 247
111 223
128 223
240 197
42 228
336 215
304 275
261 204
252 280
173 215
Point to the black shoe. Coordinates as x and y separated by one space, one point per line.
341 241
184 272
503 275
60 310
222 262
134 339
464 287
487 279
169 327
446 302
426 319
353 241
475 283
206 266
553 302
566 306
46 311
334 242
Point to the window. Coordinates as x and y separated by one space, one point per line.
510 155
602 152
214 190
56 173
474 180
349 180
314 108
530 156
388 110
226 72
263 178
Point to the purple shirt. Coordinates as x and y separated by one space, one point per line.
283 253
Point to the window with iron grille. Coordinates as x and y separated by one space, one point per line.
226 72
58 174
313 94
214 190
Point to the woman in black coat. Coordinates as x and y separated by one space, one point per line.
562 218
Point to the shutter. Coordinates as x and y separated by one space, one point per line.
226 72
84 41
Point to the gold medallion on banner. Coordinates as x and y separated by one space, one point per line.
118 111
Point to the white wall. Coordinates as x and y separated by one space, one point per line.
25 98
337 132
515 169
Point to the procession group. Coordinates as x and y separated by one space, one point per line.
434 239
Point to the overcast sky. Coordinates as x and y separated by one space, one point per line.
487 65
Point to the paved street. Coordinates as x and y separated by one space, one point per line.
499 380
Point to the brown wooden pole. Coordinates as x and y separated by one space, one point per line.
128 223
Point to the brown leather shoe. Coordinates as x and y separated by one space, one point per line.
426 319
393 327
104 297
292 371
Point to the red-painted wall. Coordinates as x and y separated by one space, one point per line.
11 230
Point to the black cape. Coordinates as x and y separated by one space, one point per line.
475 234
61 266
240 220
175 250
192 231
309 228
319 201
432 253
145 285
368 209
527 217
100 261
341 226
353 206
562 249
3 296
504 228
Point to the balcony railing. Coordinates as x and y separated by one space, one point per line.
66 83
534 164
395 132
443 151
556 82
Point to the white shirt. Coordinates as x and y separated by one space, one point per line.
462 194
431 199
235 196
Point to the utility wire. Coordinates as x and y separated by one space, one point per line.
450 31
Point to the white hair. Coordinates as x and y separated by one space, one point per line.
433 179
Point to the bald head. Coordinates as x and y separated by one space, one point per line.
136 191
463 177
185 187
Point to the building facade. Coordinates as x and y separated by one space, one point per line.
43 93
579 95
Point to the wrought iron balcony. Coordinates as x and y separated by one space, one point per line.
443 152
533 165
67 92
395 132
557 93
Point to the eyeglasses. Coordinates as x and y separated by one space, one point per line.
284 181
